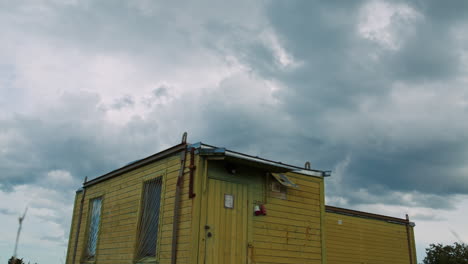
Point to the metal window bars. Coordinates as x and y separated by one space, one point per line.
94 219
149 222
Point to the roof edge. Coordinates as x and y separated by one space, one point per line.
349 212
212 150
139 163
200 146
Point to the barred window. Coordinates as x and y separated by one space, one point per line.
149 222
93 227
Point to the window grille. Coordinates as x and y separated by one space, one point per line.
93 230
149 222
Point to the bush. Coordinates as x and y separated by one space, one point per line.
446 254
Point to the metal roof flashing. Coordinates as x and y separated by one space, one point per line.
355 213
138 163
206 150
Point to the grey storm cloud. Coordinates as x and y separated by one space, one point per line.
126 101
89 86
161 91
74 137
7 212
320 112
337 77
390 151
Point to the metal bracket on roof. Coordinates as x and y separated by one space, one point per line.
307 165
184 138
195 145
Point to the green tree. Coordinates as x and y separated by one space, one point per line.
446 254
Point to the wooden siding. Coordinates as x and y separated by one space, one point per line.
227 243
296 228
120 214
360 240
290 232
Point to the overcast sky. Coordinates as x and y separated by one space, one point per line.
375 91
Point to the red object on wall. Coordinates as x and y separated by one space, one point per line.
259 210
263 209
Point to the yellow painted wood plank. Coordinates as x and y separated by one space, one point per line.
228 242
292 248
287 253
360 240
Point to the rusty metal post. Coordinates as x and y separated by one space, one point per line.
175 221
192 170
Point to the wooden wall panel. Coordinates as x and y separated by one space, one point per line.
357 240
120 214
291 230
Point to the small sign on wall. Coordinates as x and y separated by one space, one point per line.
229 201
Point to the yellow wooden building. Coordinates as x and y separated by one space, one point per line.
196 203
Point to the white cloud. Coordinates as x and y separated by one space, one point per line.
381 22
283 58
59 178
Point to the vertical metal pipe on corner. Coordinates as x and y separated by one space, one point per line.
408 236
192 170
79 222
175 222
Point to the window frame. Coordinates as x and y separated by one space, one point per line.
85 257
162 178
